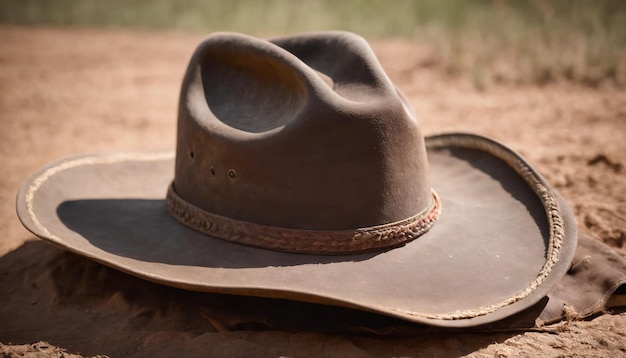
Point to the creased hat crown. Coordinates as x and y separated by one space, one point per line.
302 133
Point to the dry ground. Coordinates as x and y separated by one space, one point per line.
67 91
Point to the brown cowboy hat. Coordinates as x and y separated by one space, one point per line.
301 172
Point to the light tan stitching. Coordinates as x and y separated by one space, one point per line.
82 161
545 195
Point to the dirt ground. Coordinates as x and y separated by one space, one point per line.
68 91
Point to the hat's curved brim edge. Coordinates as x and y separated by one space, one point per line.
31 220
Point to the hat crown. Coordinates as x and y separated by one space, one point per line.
304 132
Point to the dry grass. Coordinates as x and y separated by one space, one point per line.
492 41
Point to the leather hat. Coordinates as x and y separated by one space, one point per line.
300 172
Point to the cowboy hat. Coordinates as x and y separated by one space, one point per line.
300 172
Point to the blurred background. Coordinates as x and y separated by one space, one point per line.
533 41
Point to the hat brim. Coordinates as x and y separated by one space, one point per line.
492 253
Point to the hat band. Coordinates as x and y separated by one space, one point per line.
303 241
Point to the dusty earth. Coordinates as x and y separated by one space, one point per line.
67 91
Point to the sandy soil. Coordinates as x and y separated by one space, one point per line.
67 91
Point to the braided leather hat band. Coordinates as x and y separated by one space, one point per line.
303 241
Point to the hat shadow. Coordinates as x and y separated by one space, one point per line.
144 230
